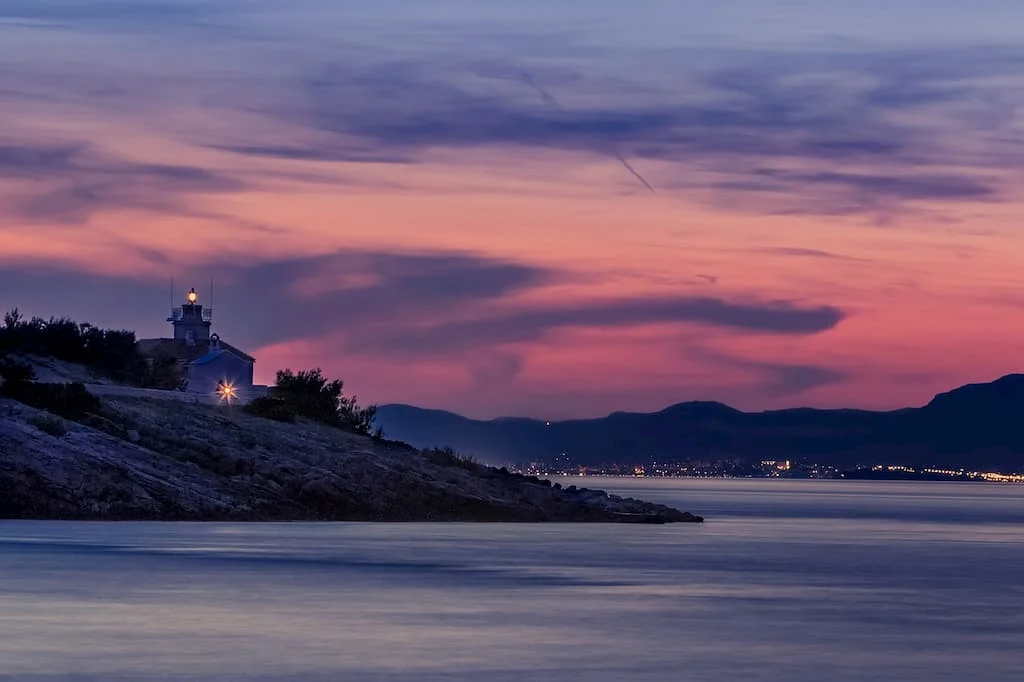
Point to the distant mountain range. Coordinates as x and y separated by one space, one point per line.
979 426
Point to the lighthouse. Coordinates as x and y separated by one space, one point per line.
202 360
191 320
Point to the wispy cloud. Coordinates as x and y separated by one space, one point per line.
896 131
317 153
823 131
72 182
534 323
786 379
801 252
770 378
107 15
420 304
913 186
417 304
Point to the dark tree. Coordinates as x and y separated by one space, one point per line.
108 351
314 396
13 319
310 393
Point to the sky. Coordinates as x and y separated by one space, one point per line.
544 208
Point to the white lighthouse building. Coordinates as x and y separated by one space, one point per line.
206 363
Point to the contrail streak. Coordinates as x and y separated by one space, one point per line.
550 99
636 174
545 95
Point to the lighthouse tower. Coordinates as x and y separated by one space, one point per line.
191 320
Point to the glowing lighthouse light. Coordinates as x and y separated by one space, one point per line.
192 296
227 391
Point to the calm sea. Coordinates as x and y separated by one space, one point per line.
787 580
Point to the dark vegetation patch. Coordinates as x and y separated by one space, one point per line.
12 370
309 394
447 457
269 407
53 426
71 401
107 352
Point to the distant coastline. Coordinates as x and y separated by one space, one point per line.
876 473
970 432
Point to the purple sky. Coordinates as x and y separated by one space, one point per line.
437 201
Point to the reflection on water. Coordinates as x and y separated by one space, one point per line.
787 580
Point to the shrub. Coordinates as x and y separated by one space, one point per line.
70 401
315 397
54 426
160 371
310 394
447 457
13 370
269 407
358 419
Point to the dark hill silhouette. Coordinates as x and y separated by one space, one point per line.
975 426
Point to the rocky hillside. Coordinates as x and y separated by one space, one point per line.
154 459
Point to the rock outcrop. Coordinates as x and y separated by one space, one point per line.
164 460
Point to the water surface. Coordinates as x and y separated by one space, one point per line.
787 580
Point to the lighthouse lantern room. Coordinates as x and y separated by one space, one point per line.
191 320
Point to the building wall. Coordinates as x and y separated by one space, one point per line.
227 367
196 328
189 323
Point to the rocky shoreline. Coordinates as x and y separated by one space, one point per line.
145 459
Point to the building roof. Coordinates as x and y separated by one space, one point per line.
180 350
208 358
